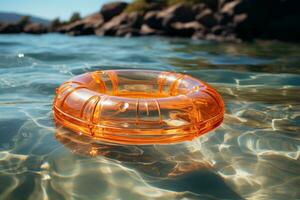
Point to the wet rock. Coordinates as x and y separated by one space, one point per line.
85 26
241 23
223 2
197 8
217 30
77 28
199 35
134 20
212 4
146 30
126 31
95 20
224 19
177 13
207 18
152 20
80 29
10 28
240 18
110 28
234 7
248 27
282 8
286 28
111 10
231 37
213 37
35 28
185 29
250 17
129 20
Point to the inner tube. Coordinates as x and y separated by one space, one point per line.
138 106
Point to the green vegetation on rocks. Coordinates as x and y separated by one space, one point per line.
24 20
213 4
145 5
75 17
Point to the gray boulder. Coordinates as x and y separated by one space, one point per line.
287 28
125 31
207 18
177 13
110 10
132 21
35 28
146 30
85 26
10 28
185 29
234 7
152 20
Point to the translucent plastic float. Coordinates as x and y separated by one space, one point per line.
138 106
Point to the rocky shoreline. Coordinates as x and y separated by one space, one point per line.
228 20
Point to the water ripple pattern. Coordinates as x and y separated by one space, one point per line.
253 155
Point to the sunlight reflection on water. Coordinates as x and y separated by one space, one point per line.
254 154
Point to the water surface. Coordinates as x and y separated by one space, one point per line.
254 154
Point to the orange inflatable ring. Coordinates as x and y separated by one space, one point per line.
138 106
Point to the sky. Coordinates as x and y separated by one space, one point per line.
50 9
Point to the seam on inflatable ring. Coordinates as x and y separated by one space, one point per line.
214 118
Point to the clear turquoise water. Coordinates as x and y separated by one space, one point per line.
254 154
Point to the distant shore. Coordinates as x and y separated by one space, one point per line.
221 20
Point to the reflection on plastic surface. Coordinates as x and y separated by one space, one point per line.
138 106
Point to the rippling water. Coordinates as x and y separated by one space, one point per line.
254 154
